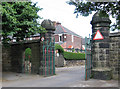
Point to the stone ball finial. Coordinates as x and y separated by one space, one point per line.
99 17
48 25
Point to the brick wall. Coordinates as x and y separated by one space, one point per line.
56 38
68 41
77 42
62 37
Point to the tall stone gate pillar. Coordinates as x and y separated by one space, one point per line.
100 47
47 64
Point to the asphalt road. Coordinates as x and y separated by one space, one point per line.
65 77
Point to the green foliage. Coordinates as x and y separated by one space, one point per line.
74 56
73 50
86 8
59 48
28 54
19 20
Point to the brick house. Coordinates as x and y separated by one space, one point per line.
66 38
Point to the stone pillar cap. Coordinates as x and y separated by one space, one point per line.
48 25
97 18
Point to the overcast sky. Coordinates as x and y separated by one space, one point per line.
60 11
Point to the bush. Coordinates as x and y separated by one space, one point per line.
73 50
28 54
59 48
74 56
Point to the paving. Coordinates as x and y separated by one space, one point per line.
65 77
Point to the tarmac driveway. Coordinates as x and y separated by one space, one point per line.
65 77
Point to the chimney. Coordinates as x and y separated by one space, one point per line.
56 23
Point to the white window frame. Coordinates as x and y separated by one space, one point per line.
59 37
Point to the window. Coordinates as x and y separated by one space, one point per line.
60 37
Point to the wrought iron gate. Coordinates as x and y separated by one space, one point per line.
48 61
88 55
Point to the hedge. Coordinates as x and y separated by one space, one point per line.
59 48
74 56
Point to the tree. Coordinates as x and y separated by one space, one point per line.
19 20
86 8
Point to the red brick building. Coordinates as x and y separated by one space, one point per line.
66 38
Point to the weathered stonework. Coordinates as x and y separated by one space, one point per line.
12 56
6 59
46 63
75 62
106 52
100 48
59 61
115 54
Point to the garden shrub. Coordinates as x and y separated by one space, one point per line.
28 54
74 56
73 50
59 48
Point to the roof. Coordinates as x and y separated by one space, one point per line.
63 30
116 34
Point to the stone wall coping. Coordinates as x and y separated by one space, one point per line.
101 69
25 42
116 34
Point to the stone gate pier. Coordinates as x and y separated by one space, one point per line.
100 48
106 51
47 64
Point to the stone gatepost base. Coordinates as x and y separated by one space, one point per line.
102 73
